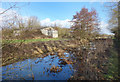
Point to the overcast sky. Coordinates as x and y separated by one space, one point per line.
60 13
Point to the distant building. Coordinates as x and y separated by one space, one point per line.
49 31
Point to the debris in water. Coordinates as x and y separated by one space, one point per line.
55 69
65 61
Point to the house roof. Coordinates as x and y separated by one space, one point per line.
46 27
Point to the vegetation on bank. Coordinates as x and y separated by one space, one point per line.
31 40
114 23
112 73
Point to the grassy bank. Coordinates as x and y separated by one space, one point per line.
112 73
30 40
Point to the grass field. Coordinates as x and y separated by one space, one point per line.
31 40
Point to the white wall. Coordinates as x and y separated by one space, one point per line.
54 32
44 31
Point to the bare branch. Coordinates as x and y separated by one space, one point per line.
8 9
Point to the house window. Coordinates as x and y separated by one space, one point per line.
50 32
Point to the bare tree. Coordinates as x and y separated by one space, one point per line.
11 20
33 22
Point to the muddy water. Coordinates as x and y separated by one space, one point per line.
38 69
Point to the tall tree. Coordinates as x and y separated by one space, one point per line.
84 23
113 21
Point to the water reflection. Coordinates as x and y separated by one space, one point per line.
38 69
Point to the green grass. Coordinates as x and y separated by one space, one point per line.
30 40
112 66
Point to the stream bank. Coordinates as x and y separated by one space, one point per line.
13 52
88 62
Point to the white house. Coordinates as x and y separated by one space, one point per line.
49 31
